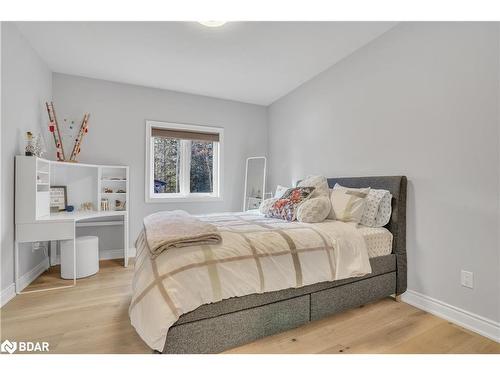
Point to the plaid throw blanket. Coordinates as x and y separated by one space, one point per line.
167 229
257 255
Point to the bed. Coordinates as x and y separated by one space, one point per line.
233 321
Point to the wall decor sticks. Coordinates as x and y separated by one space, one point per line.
55 130
78 140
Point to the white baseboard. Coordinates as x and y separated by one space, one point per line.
115 254
31 275
476 323
7 294
103 255
25 280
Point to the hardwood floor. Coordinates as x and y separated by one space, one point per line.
93 318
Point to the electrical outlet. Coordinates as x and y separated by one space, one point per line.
467 279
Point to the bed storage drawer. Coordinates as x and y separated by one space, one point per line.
330 301
217 334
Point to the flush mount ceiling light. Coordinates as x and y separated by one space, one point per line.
212 23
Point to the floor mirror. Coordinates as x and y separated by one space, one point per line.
255 182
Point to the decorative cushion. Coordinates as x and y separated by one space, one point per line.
266 204
280 190
348 204
286 207
384 211
319 183
314 210
372 206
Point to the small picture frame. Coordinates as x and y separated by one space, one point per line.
58 198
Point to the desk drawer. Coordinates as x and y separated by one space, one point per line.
45 231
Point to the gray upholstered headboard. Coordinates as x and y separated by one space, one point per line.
397 225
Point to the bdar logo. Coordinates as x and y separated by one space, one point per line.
8 347
24 346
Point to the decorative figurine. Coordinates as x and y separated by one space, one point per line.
86 206
119 205
29 150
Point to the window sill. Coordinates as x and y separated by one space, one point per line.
184 199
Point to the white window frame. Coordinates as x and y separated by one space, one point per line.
185 167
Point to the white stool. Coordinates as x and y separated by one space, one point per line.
87 257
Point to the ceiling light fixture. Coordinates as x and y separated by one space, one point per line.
212 23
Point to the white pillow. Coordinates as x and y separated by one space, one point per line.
372 206
320 184
384 211
348 204
314 210
280 190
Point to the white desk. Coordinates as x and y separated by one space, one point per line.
62 226
85 183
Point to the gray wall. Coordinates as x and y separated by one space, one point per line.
117 134
26 85
421 100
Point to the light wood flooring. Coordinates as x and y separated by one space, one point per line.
93 318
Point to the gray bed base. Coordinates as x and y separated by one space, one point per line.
216 327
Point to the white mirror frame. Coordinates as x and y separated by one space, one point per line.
246 177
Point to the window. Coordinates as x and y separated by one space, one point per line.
183 162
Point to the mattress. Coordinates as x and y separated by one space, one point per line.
378 240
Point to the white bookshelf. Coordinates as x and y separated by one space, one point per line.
84 182
115 179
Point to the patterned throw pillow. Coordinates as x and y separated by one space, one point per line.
314 210
384 211
266 205
348 204
286 207
372 206
319 183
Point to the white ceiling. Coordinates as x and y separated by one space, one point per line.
252 62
